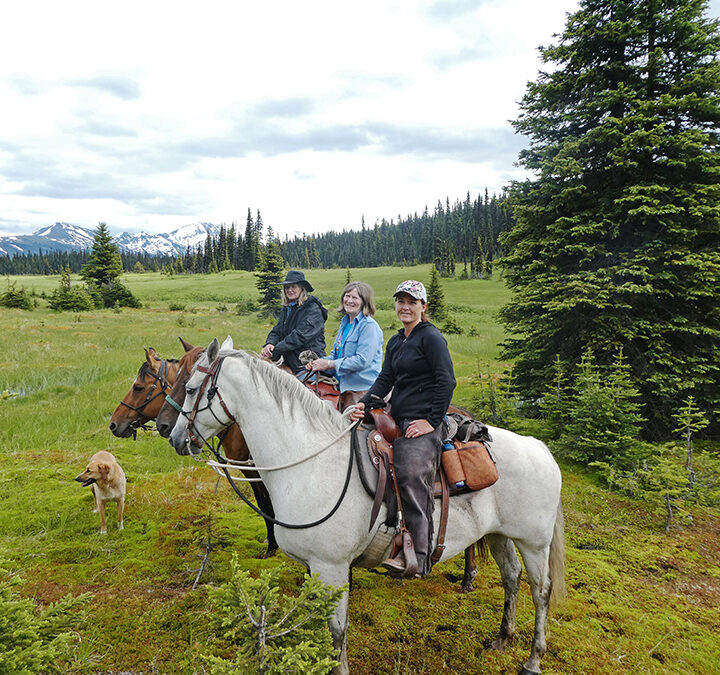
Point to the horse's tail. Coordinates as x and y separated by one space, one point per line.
483 550
556 559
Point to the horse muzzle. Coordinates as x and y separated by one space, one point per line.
183 444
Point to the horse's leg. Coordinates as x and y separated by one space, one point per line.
537 567
470 569
502 550
336 576
262 499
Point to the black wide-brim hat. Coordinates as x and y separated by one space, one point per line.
297 277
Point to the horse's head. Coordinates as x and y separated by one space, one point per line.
203 413
142 403
172 406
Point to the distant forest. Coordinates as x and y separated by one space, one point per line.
464 234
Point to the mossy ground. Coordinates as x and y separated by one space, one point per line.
639 600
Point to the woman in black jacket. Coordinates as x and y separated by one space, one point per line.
301 324
419 370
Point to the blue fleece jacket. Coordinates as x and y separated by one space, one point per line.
357 353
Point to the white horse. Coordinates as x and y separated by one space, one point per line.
303 453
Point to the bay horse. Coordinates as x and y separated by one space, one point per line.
147 394
302 452
232 443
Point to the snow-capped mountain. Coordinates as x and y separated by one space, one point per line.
58 237
67 237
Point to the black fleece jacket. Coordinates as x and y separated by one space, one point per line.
299 328
420 373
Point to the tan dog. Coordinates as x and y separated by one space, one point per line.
108 484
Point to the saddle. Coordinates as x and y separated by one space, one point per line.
324 388
379 443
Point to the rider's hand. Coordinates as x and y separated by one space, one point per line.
418 428
358 413
267 351
319 364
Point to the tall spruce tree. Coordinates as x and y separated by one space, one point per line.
435 297
617 241
269 275
104 264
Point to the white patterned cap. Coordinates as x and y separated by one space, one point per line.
415 289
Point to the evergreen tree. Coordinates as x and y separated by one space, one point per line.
435 297
250 244
104 264
555 401
272 633
618 237
269 275
691 420
603 423
67 298
312 254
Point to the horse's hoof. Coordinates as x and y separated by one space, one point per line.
270 553
467 588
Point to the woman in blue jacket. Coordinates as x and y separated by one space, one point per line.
356 356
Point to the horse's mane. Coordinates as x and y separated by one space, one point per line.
189 358
287 389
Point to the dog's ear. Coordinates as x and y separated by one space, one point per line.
103 469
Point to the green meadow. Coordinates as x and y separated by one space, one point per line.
640 600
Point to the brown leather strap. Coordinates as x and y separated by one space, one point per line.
382 460
411 563
442 529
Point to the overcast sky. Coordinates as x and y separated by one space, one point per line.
151 115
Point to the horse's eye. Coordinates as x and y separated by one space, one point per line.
189 391
138 388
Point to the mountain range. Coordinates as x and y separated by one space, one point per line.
67 237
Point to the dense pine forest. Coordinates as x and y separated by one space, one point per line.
465 234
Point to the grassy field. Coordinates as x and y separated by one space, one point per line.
639 600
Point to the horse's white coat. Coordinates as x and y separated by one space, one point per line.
283 421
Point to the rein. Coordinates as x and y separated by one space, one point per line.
211 375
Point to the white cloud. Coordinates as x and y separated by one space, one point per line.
150 115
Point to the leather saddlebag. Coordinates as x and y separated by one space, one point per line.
470 462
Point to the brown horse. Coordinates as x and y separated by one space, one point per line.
145 398
233 442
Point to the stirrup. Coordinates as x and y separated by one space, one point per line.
395 566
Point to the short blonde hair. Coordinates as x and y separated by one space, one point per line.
301 298
367 296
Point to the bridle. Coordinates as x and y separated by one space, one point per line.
211 375
160 378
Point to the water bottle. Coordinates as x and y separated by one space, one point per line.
447 445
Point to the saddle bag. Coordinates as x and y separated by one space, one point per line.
470 463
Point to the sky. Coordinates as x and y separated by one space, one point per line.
152 115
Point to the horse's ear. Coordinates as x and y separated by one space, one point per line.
151 355
186 345
228 344
212 350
